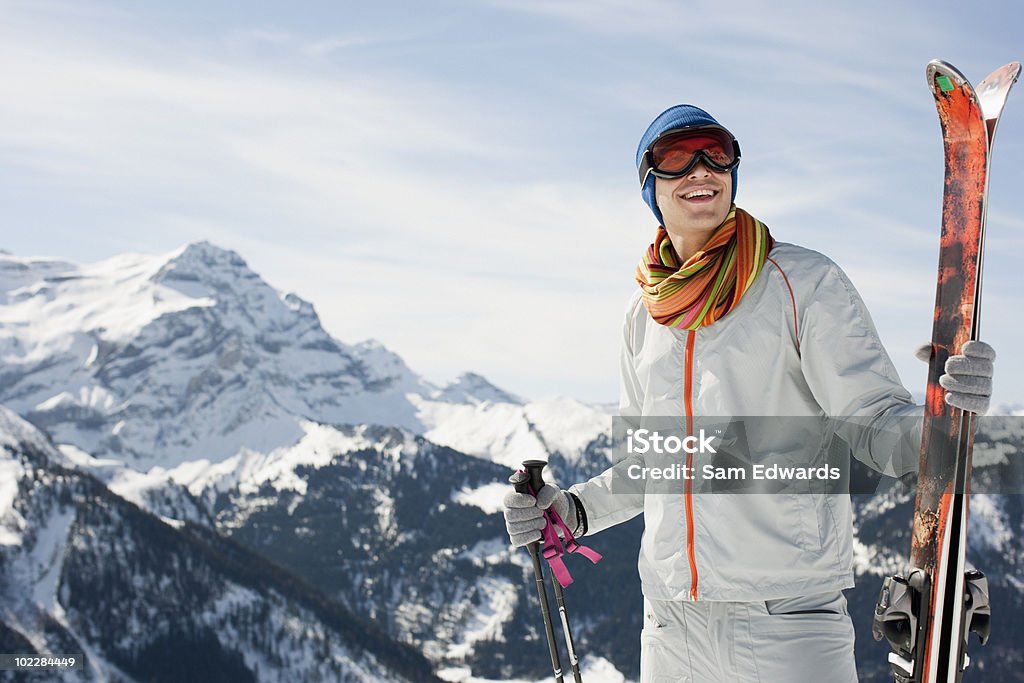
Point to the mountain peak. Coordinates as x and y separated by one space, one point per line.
383 367
209 252
469 387
203 262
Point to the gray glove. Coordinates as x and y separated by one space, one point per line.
968 376
524 516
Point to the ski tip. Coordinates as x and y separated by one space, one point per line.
1003 77
994 90
944 76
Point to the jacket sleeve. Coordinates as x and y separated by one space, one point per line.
853 379
613 497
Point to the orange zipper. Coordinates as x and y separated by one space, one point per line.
691 337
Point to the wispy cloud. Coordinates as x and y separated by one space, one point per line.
393 204
463 180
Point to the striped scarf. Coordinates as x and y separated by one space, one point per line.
712 281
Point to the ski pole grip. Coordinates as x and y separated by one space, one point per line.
521 482
535 471
533 477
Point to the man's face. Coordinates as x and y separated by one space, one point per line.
700 200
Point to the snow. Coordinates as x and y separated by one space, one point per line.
133 486
36 567
202 475
990 528
305 639
250 469
76 457
592 669
189 362
14 431
496 551
110 355
567 425
94 397
869 560
463 674
600 670
488 497
496 432
495 605
47 558
470 387
1002 433
48 298
386 366
509 433
11 472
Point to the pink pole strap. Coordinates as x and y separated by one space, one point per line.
553 549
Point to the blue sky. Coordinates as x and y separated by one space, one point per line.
456 179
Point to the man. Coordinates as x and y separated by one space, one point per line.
728 322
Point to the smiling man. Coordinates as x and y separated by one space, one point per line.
728 322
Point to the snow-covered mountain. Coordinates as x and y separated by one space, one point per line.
186 385
109 357
162 360
84 571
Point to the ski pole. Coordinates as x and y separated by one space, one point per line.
521 482
534 469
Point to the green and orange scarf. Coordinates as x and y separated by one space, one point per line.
712 281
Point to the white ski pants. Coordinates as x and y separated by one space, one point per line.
793 640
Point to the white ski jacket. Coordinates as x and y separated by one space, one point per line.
799 343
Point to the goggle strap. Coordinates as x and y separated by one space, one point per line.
646 166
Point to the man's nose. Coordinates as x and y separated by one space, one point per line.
699 171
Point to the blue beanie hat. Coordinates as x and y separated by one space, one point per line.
679 116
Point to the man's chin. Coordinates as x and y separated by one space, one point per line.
705 219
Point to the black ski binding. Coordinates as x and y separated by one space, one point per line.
900 603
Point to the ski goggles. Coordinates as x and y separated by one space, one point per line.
676 152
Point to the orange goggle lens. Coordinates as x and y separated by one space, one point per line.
674 152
